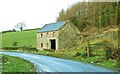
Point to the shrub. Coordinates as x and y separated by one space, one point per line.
84 55
116 53
14 43
20 48
29 48
4 59
49 50
108 53
76 54
11 48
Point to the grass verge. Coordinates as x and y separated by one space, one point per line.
15 64
70 55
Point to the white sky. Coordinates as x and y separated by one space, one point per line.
34 13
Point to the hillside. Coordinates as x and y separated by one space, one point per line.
101 39
22 38
92 14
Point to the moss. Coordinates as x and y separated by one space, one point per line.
67 37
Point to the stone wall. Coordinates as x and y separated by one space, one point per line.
47 36
38 40
68 36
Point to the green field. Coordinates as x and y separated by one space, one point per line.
22 38
15 64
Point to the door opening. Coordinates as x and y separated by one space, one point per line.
53 44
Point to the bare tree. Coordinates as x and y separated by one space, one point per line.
20 26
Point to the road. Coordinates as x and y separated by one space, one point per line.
50 64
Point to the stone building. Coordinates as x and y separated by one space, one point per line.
59 35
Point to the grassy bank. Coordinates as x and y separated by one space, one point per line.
22 38
15 64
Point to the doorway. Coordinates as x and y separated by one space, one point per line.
53 44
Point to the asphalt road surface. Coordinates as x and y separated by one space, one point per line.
50 64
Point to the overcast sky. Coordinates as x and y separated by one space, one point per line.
34 13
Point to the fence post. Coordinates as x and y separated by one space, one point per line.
88 49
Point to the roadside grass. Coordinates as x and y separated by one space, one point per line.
70 55
99 61
96 60
15 64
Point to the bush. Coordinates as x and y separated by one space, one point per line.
116 53
84 55
8 31
10 48
108 53
20 48
49 50
14 43
4 59
29 48
76 54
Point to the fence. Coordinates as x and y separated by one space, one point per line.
102 49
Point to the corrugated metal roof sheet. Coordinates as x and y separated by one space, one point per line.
52 26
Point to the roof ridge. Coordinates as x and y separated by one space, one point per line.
56 22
